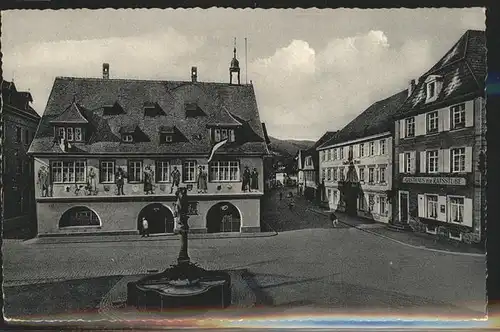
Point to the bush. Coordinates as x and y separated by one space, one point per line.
470 237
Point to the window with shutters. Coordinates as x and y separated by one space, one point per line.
341 174
18 134
432 206
382 174
362 174
407 162
351 152
382 146
335 178
432 161
341 153
323 155
334 154
432 122
328 155
456 208
458 160
458 116
371 175
362 150
323 174
372 149
410 127
26 136
329 174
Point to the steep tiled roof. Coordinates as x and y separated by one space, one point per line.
462 70
235 103
376 119
17 101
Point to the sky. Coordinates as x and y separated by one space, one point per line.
313 70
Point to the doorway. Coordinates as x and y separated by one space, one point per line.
160 219
223 217
403 206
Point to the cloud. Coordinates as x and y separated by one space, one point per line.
142 56
326 89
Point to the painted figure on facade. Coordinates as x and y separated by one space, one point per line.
148 180
202 180
254 180
92 182
43 181
246 179
120 181
176 179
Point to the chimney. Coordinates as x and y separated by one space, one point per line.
105 71
194 74
411 88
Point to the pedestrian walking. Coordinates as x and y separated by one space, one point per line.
334 219
145 227
281 195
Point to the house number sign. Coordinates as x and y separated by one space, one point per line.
435 180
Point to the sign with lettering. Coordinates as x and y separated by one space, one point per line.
435 180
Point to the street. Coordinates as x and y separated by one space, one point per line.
316 266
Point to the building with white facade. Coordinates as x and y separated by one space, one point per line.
356 164
440 145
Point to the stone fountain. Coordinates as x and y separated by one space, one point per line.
183 285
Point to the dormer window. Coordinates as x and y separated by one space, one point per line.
167 134
433 85
71 134
113 109
127 138
220 134
193 110
152 109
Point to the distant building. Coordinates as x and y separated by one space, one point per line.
356 163
308 169
20 122
440 145
115 150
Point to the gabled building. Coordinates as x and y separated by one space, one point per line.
308 166
356 163
20 121
440 145
112 151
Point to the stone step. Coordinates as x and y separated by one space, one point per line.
399 227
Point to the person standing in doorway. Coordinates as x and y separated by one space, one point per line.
334 219
145 227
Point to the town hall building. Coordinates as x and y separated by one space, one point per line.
109 152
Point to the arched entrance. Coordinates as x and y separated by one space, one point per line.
160 219
79 216
223 217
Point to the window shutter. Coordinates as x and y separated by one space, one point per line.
420 125
440 119
413 162
444 118
468 159
402 128
469 113
445 156
421 206
468 212
423 162
442 215
401 163
355 151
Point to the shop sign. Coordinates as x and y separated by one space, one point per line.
450 181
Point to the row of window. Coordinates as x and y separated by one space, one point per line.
373 148
455 160
375 174
452 118
433 206
75 171
310 176
24 135
71 134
